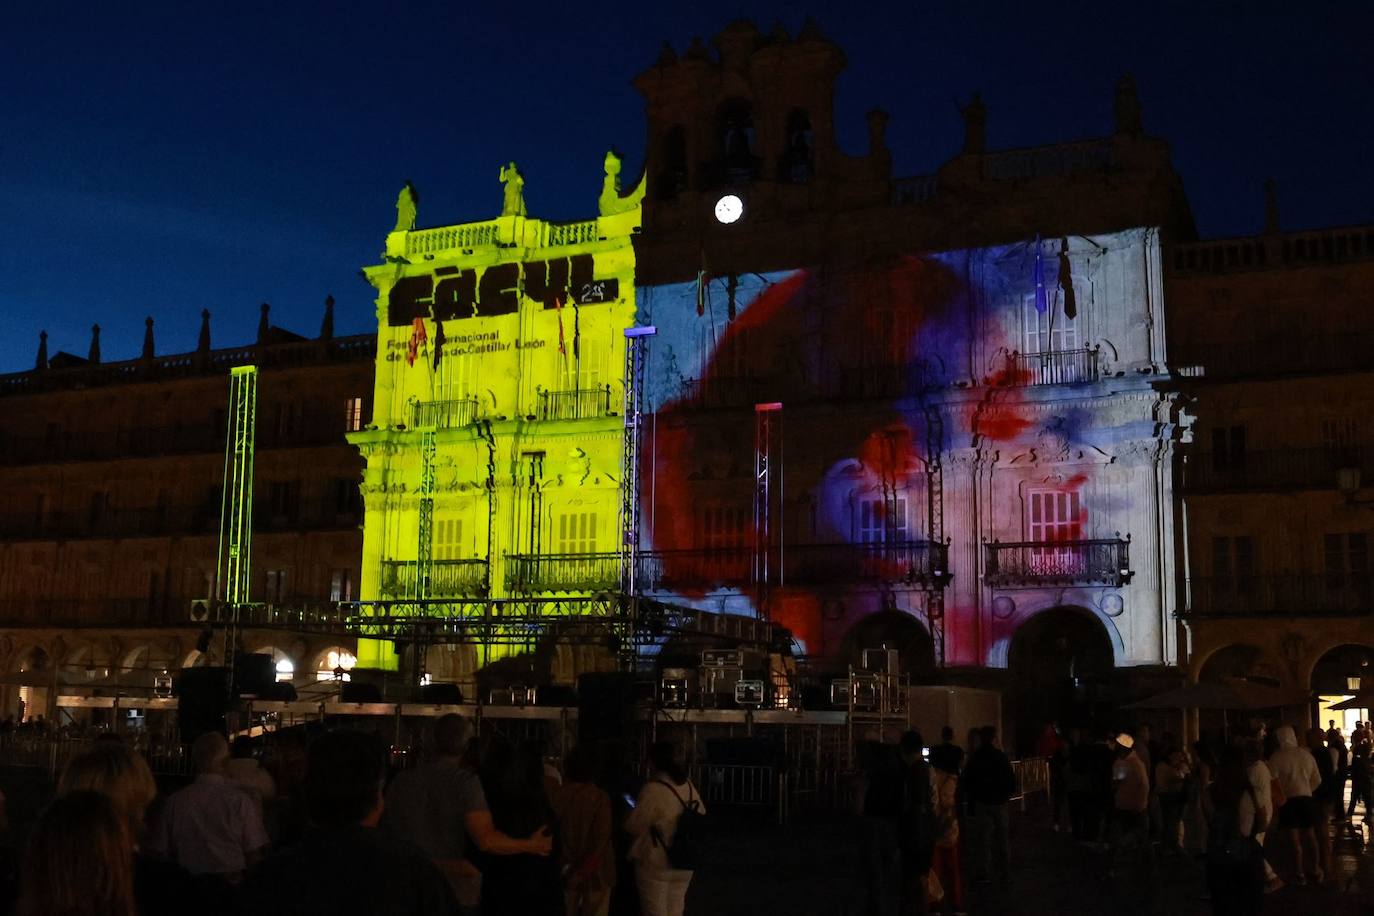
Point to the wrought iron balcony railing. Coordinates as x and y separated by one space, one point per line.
575 403
454 414
568 572
1286 469
705 569
1337 595
1055 367
1031 564
910 562
888 380
448 578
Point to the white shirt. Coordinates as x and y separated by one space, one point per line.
210 827
657 806
1260 781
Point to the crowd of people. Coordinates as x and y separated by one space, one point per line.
477 827
1222 805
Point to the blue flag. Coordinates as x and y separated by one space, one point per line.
1042 304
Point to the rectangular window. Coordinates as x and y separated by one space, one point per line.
577 532
353 415
1233 562
288 421
1054 517
284 498
1340 442
448 539
1228 448
1346 559
95 510
1049 331
341 585
276 586
882 520
721 527
346 497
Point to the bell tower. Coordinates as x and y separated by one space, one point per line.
741 137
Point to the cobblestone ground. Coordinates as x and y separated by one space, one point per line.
814 870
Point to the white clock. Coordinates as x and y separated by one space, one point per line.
729 208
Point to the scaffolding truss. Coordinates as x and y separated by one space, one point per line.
234 554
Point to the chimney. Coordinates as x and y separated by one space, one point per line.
93 357
975 125
327 326
203 342
42 362
1128 115
148 337
1271 205
264 325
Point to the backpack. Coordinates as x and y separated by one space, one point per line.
687 851
1226 845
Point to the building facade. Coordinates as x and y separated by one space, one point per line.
1273 332
110 508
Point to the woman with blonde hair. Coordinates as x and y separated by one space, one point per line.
80 860
120 774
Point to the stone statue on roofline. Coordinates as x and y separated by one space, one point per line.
513 203
407 203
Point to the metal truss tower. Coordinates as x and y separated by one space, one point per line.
631 453
935 527
232 563
767 478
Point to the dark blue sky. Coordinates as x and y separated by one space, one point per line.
157 161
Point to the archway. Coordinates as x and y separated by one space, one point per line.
1336 676
334 664
892 630
32 672
1060 669
1240 660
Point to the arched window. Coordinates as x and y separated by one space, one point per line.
672 177
335 664
797 162
738 162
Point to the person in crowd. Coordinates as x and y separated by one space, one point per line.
1171 787
947 755
1332 732
1261 783
211 827
916 831
1050 746
345 865
1130 793
119 773
653 825
989 784
945 856
1359 772
584 828
1340 759
1235 859
243 769
1297 775
1324 799
879 849
441 808
525 883
79 861
1079 783
1201 773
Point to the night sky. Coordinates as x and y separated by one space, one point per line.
157 161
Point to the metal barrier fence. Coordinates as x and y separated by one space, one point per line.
51 753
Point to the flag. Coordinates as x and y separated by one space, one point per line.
1042 304
417 337
438 342
701 293
562 343
577 332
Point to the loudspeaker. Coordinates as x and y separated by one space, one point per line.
442 694
605 705
202 700
254 675
355 692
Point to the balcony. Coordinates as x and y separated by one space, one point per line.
575 403
569 572
1284 469
706 569
1037 564
726 391
1055 367
453 414
1259 596
448 578
905 562
887 380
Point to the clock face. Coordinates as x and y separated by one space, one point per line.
729 208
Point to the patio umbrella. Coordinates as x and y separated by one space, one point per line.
1230 694
1363 699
